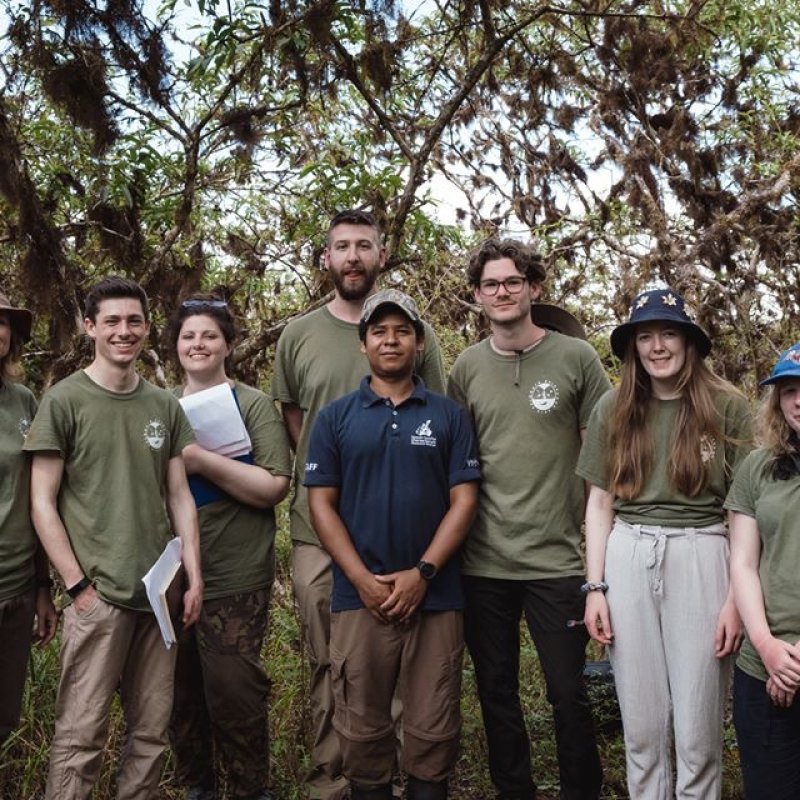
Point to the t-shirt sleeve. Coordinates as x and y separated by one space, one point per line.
592 462
181 433
430 367
464 462
284 381
268 435
51 429
742 494
455 390
595 385
323 462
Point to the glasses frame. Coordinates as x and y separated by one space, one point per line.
504 283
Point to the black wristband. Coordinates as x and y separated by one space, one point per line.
83 583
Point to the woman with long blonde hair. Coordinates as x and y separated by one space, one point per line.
765 565
659 454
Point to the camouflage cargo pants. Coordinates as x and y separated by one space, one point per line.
220 707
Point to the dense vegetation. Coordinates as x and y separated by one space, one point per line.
205 144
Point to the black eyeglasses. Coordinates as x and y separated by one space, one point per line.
204 304
512 285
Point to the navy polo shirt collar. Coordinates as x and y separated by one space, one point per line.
369 398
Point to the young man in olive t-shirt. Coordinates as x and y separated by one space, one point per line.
530 392
107 477
318 360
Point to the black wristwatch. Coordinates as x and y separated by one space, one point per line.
427 570
83 583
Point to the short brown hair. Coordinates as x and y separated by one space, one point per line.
527 261
114 286
354 216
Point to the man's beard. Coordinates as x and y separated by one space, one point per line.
349 291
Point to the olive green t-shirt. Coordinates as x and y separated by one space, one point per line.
237 541
775 506
318 360
660 503
112 499
528 412
17 537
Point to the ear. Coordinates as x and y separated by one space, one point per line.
476 293
363 347
420 343
536 291
382 257
326 259
90 328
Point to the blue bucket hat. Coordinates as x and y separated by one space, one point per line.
659 305
788 366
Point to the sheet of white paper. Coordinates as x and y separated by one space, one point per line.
157 581
216 420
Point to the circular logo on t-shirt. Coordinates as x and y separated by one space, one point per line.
24 426
155 432
543 396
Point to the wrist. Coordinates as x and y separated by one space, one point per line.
79 587
594 586
427 570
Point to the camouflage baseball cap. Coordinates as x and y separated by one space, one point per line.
389 297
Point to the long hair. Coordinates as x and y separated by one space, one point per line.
776 435
631 447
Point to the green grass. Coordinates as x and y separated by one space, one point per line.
23 758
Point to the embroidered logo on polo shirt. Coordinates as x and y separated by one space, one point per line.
24 426
311 466
155 434
423 435
543 396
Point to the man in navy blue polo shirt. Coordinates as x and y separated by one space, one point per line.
393 477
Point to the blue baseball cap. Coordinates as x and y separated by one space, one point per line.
659 305
788 366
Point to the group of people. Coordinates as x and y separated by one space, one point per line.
428 513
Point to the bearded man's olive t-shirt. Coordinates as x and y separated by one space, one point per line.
112 499
319 360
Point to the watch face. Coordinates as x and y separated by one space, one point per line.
428 570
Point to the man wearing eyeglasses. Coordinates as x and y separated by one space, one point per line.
530 392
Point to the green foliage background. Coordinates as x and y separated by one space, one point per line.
202 144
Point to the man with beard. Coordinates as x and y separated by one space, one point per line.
530 392
319 360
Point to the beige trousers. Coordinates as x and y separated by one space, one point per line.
421 662
106 649
313 582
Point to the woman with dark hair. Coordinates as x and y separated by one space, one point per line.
765 571
220 711
24 576
659 454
